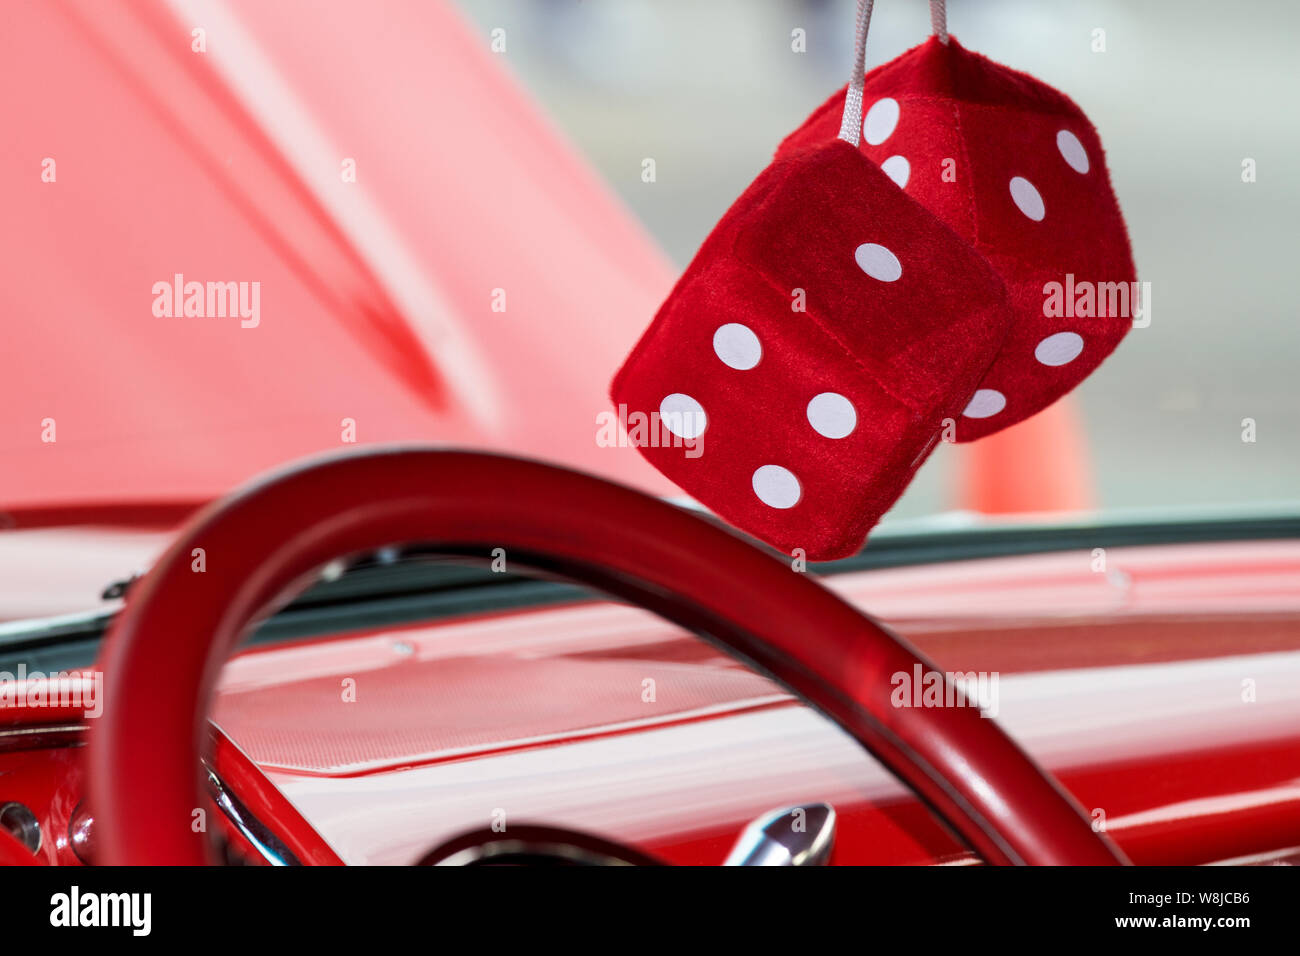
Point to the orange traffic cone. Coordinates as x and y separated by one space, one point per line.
1041 464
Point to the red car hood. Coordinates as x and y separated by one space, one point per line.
474 289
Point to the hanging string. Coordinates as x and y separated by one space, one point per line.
851 122
939 19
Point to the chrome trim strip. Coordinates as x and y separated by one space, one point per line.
42 737
271 848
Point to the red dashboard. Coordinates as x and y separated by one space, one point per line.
1165 695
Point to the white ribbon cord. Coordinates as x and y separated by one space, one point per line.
939 20
851 122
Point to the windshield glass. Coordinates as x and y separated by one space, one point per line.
220 269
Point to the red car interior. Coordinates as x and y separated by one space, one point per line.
359 583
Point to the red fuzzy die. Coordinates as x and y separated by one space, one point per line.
804 364
1015 168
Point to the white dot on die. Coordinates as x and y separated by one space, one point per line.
776 487
986 402
737 346
881 120
898 169
832 415
682 415
878 262
1072 151
1026 198
1059 349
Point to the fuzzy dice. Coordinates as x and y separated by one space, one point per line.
803 366
1016 169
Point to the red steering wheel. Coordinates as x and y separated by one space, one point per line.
163 654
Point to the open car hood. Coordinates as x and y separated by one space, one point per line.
474 289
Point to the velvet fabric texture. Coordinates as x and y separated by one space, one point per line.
1015 168
803 366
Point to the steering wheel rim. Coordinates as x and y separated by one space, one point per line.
163 653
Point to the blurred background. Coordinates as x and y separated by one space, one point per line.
1183 93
